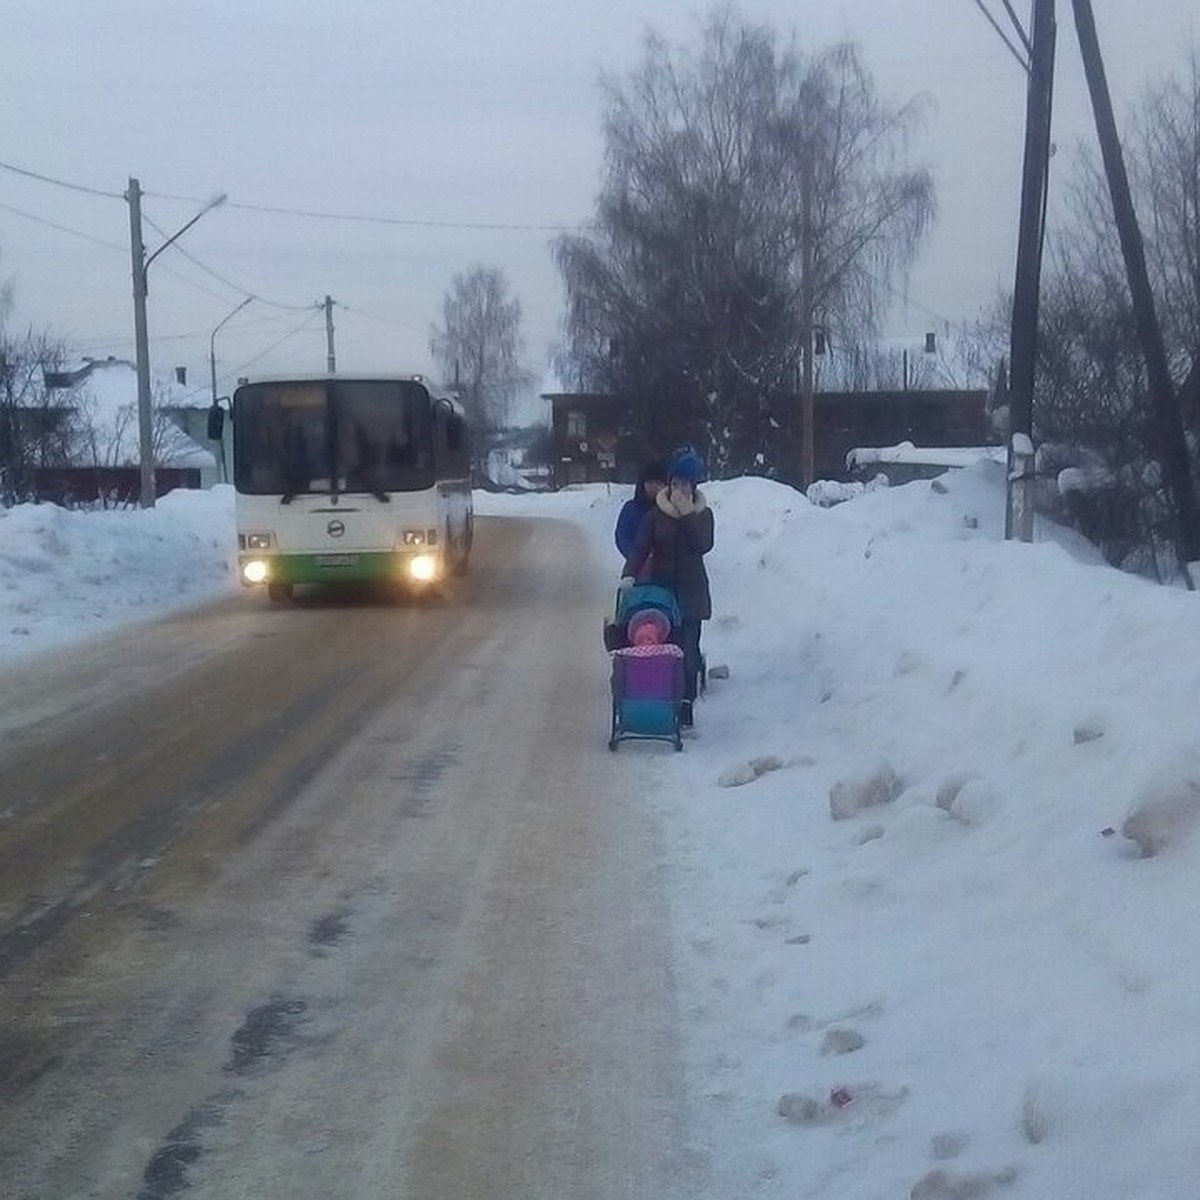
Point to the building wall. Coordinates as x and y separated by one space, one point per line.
843 421
846 420
589 446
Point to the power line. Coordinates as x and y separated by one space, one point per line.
413 222
313 214
112 246
358 312
62 183
124 249
1026 65
906 299
252 327
101 242
1026 40
227 282
62 228
275 345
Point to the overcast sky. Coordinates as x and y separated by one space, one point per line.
441 117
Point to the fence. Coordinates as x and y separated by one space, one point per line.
79 487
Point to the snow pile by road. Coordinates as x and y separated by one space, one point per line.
932 855
68 574
918 954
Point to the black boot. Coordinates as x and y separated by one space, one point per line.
685 714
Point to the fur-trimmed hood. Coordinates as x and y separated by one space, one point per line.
663 500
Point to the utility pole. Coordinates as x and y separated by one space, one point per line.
330 357
807 268
1172 446
142 346
141 267
1023 334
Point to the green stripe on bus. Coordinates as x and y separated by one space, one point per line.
338 568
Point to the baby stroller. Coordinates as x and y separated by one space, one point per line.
647 667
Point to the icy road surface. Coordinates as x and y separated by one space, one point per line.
342 899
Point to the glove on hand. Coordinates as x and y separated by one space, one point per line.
682 501
626 583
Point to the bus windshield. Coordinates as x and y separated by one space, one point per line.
331 436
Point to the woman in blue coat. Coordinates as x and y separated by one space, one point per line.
651 481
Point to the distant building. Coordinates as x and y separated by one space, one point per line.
943 418
104 392
589 443
592 444
86 430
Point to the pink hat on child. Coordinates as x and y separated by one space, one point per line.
650 627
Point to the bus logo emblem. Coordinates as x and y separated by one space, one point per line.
335 529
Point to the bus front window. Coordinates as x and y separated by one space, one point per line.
281 440
383 437
325 437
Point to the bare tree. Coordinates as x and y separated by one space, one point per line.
751 192
478 345
36 429
1093 395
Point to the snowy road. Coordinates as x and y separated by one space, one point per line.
339 900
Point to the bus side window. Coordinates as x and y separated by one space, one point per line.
454 433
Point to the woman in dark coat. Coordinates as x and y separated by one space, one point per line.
675 535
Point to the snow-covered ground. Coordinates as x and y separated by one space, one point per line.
978 985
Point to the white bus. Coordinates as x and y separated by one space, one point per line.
348 479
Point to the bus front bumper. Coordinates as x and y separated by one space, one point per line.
353 567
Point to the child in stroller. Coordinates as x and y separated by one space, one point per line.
647 667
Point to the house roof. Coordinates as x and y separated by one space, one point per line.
107 390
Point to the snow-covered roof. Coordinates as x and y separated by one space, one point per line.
927 456
106 392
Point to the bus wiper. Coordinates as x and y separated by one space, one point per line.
380 494
287 497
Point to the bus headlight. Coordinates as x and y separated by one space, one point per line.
422 567
255 570
410 538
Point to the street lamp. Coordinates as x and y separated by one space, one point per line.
141 265
212 362
929 346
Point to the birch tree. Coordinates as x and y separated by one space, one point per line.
751 192
478 345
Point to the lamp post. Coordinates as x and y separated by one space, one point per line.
929 347
212 362
141 265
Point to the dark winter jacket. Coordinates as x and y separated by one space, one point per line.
629 520
636 507
677 542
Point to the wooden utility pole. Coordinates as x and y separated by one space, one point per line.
141 342
1026 288
808 422
141 266
330 357
1172 446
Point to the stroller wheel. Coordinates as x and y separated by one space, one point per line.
613 743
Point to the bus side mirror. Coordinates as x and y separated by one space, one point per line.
216 423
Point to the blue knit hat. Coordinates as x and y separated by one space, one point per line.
687 464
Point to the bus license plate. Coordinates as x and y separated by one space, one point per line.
337 560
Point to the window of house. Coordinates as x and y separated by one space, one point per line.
576 424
